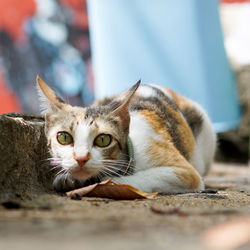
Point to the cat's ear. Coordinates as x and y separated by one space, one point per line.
49 101
123 109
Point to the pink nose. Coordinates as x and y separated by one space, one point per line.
82 160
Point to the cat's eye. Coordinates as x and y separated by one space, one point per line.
64 138
103 140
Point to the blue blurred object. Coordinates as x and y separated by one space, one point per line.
177 44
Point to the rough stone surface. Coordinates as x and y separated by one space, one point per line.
23 150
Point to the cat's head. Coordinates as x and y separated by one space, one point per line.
86 141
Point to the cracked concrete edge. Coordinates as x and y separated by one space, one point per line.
23 153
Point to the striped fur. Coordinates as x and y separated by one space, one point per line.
173 140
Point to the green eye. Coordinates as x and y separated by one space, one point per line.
64 138
103 140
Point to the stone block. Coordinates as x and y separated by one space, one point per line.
24 167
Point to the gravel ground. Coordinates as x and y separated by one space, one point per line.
49 221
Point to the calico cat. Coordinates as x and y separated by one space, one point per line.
148 137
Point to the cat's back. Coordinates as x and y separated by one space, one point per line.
160 118
176 110
167 123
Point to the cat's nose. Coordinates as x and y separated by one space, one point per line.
82 160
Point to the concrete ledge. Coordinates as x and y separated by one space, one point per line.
23 150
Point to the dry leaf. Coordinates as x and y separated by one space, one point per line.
229 235
109 189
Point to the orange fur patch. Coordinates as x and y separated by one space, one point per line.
188 175
157 124
181 101
164 152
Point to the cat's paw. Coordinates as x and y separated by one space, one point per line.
64 183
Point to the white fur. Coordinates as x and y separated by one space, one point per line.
45 105
164 90
146 91
81 143
157 179
140 133
205 144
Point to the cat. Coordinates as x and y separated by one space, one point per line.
148 137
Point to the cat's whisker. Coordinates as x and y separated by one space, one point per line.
129 156
105 173
121 168
66 174
99 176
112 160
115 161
56 163
113 167
52 161
51 158
118 163
62 171
113 172
56 167
45 160
118 167
107 168
44 164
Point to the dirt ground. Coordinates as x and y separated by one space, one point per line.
167 222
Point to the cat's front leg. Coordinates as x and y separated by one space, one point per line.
64 183
165 179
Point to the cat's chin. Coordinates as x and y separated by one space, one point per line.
81 173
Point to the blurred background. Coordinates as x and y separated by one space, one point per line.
87 50
49 38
